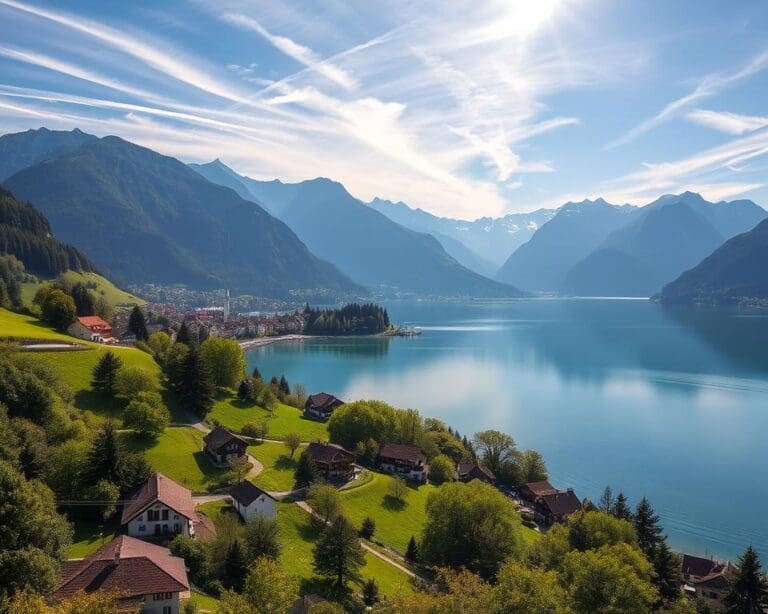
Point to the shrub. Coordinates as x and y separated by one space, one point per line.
131 380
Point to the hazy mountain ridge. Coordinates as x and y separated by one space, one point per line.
365 244
147 218
734 272
24 149
663 239
492 240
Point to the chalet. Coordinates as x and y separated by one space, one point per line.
533 490
223 447
250 501
406 460
706 579
92 328
144 577
558 506
332 461
466 472
158 508
321 405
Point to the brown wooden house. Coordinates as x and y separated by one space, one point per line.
321 405
403 459
556 506
533 490
332 461
466 472
223 447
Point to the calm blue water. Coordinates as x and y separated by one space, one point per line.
671 404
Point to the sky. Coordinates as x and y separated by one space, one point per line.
462 108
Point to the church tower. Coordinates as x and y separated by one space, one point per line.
226 304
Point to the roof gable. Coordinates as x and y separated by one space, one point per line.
329 452
246 493
159 489
402 451
220 436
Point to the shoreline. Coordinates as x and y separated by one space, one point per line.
247 344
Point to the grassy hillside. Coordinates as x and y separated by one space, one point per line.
279 467
20 326
101 286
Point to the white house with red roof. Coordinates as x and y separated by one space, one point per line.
158 508
91 328
142 576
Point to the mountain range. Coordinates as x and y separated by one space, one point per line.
541 264
147 218
482 245
662 239
366 245
736 271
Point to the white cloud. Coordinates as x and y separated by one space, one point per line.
730 123
302 54
707 87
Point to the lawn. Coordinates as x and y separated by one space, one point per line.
204 603
279 467
234 414
76 369
20 326
298 534
103 287
90 535
178 454
395 522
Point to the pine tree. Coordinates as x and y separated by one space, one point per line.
749 589
184 335
196 389
137 324
244 390
85 302
105 457
306 471
412 552
338 554
370 592
235 566
668 577
649 533
105 372
283 386
621 508
256 374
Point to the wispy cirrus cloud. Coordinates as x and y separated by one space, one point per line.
730 123
707 87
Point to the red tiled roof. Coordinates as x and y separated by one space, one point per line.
94 322
126 567
159 489
205 530
402 451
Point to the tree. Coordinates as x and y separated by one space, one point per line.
472 526
667 577
33 537
257 430
306 471
283 386
107 494
244 390
85 302
412 551
398 489
496 450
370 592
338 553
235 566
621 508
367 528
194 554
256 374
147 415
649 533
591 530
224 360
137 324
749 591
239 468
81 603
159 343
528 590
131 380
196 389
261 538
441 469
325 501
292 442
269 401
58 309
268 590
611 579
607 501
184 335
105 373
531 467
105 457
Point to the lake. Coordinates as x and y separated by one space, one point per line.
667 403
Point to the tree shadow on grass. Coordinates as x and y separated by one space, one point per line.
98 403
393 504
309 530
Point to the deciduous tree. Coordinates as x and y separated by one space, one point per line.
325 501
224 360
292 442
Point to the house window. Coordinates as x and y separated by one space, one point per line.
142 528
177 528
167 609
162 596
153 515
165 514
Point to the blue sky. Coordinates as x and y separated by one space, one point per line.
462 108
